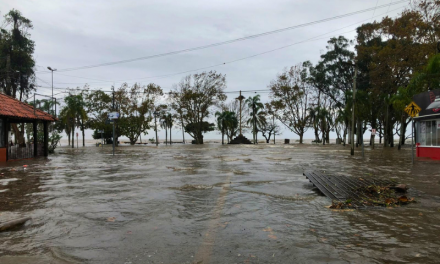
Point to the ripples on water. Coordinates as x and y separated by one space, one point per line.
222 204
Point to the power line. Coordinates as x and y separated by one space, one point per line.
233 40
229 62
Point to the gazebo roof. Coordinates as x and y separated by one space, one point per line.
11 107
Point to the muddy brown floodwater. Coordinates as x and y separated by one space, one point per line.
213 204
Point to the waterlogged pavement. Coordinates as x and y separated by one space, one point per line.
213 204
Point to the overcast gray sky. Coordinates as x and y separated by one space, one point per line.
80 33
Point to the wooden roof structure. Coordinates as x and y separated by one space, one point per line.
13 108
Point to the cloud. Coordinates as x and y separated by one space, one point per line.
77 33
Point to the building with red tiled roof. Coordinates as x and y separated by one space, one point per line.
13 111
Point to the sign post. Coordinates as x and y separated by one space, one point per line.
112 116
412 140
102 137
412 110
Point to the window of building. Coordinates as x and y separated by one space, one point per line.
438 132
428 133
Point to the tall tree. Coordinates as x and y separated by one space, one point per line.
257 117
290 93
193 97
73 114
98 105
135 103
227 123
17 78
221 124
389 53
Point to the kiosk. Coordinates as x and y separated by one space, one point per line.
427 124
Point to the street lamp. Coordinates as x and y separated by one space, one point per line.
52 70
156 115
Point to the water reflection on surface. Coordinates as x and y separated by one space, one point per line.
246 204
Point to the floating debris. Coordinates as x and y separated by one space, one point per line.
271 158
182 169
190 187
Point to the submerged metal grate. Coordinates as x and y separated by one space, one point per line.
341 188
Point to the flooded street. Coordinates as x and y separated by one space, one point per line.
213 204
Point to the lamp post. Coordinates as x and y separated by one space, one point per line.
240 98
156 115
52 70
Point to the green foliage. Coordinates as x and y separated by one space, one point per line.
257 117
134 106
199 128
16 56
194 96
227 123
98 105
54 139
290 93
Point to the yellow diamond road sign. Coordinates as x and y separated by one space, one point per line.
412 109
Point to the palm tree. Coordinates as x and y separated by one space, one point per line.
255 105
169 119
67 117
231 122
166 122
227 123
74 113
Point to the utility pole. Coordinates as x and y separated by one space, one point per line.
412 138
113 107
353 108
52 70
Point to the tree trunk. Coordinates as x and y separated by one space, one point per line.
359 132
327 135
380 132
255 131
301 135
345 135
11 224
316 134
387 127
18 135
170 135
183 129
223 137
68 138
199 139
73 137
403 127
83 135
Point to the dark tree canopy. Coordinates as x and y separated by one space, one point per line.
17 77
